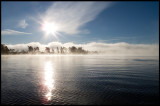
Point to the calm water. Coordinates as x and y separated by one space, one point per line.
82 80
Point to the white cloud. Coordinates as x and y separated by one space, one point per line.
23 24
69 17
12 32
121 48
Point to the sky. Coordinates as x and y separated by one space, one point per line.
80 22
129 25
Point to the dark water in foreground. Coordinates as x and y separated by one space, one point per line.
82 80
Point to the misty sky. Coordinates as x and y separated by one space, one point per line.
81 22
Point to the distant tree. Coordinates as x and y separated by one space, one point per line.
57 50
23 52
53 50
30 49
73 49
64 49
36 49
4 49
80 50
47 50
12 50
61 50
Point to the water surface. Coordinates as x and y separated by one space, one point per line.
82 80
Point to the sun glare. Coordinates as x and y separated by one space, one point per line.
49 79
49 28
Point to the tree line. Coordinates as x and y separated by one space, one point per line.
48 50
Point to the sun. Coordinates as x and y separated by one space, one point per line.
49 28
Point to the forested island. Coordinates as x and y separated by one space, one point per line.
35 50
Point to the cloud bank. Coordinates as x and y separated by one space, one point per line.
121 48
69 17
12 32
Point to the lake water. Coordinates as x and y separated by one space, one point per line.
80 80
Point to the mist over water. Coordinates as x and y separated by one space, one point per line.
111 49
79 79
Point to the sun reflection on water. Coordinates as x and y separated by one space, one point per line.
49 80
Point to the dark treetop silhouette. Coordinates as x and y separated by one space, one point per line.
48 50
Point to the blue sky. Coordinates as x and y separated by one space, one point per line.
80 22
